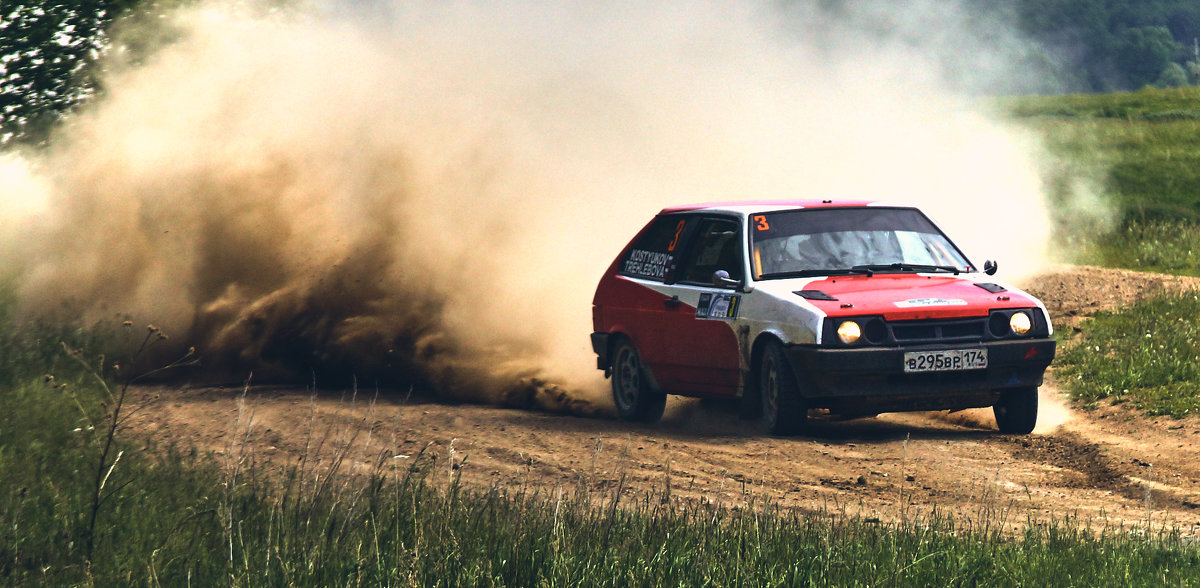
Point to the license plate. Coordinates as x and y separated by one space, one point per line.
945 361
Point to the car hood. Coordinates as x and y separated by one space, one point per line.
904 296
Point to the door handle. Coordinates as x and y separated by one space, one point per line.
672 302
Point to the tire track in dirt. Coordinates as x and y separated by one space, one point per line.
1084 464
1092 465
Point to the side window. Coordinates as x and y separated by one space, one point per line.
717 246
655 253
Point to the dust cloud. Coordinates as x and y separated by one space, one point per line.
1053 411
427 192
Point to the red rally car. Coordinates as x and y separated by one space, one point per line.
855 307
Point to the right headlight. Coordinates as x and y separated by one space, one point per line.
1019 323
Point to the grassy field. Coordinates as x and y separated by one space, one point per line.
1129 164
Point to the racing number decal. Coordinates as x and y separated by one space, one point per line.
760 223
678 232
718 306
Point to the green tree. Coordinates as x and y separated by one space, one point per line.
47 50
1173 76
1142 53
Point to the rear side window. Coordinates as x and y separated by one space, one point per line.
654 254
717 246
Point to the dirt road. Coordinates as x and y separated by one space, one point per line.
1106 466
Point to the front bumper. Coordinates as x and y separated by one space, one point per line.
846 378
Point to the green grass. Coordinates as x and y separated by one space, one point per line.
1123 175
1147 354
1145 104
1167 247
1148 170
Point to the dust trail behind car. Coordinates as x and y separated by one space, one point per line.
425 192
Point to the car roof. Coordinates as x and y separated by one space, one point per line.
752 206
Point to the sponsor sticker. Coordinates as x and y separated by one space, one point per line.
647 264
718 305
920 302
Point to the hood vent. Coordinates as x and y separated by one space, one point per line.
815 295
990 287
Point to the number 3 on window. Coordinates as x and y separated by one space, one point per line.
678 231
760 223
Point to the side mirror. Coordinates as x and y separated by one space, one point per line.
990 267
721 278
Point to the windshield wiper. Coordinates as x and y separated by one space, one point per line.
808 273
908 267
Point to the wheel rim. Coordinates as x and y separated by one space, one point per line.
770 390
628 378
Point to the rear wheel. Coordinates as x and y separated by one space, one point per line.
1016 412
784 410
635 398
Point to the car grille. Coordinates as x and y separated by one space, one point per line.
938 331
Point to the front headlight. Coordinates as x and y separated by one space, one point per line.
849 332
1019 323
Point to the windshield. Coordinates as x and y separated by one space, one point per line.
836 240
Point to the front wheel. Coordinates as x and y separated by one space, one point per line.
633 394
784 410
1016 412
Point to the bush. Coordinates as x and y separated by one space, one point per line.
1172 76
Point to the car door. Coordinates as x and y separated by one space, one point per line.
699 353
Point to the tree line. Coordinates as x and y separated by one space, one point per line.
1112 45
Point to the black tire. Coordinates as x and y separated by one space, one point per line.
784 410
635 397
1016 412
